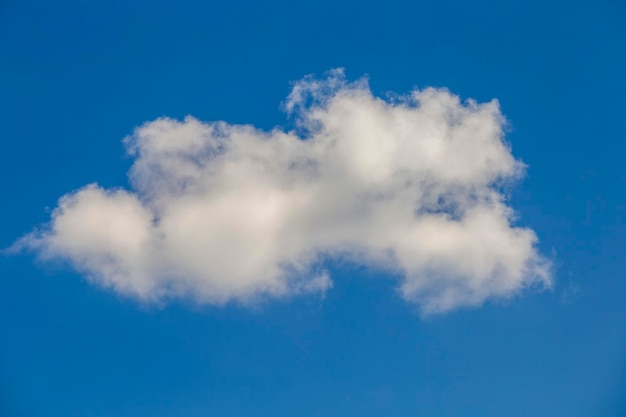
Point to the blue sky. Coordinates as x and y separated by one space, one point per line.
76 78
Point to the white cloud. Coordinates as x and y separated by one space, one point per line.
223 212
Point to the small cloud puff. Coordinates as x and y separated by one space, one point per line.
222 212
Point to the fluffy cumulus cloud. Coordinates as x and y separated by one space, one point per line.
219 212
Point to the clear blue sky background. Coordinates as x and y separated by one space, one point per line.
76 77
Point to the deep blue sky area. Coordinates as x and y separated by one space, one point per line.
77 77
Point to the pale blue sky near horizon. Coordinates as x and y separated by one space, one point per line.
77 77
